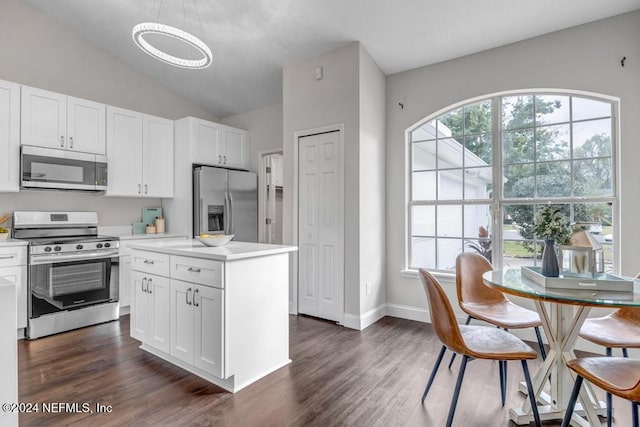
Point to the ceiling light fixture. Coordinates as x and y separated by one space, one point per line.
140 30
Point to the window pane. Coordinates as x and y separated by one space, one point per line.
592 138
424 132
477 118
423 221
450 184
584 108
601 220
552 109
477 183
552 142
478 150
592 177
517 112
423 186
518 222
448 251
517 146
449 153
519 253
476 216
423 252
553 179
449 221
451 124
519 181
424 155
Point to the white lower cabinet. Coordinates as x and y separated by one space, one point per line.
13 267
196 326
150 323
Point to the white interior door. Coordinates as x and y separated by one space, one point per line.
320 218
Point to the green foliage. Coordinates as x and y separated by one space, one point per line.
551 224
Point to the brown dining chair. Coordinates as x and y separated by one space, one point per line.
615 375
482 302
620 329
471 342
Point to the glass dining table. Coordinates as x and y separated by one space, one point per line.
562 312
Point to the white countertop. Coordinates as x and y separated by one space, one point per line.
13 242
124 232
229 252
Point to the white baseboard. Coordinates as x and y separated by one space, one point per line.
361 322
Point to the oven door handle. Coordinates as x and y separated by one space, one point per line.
86 256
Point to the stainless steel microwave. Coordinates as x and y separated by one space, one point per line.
62 169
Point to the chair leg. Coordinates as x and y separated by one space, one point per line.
634 414
625 353
532 398
456 392
572 401
433 372
542 350
609 398
503 381
453 356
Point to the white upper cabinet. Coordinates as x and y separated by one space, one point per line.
140 154
218 145
9 136
54 120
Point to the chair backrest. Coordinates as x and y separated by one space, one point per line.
632 314
469 285
442 317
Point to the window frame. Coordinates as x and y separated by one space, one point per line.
497 201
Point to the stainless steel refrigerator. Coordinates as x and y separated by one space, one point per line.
225 202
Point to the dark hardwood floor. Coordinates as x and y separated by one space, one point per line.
338 377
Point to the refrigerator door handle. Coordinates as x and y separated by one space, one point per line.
202 218
226 214
230 213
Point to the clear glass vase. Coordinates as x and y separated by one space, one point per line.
550 259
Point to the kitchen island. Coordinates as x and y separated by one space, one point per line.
218 312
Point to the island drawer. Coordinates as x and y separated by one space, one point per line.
13 255
195 270
150 262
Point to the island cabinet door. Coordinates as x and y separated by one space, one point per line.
208 325
139 306
159 322
182 320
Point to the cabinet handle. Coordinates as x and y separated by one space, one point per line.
62 141
139 188
219 158
150 289
186 296
8 256
195 303
149 261
193 270
145 189
225 159
144 280
71 141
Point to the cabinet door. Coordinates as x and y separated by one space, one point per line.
159 308
235 154
124 280
44 118
124 152
206 142
182 320
18 276
157 153
86 126
9 136
139 322
208 329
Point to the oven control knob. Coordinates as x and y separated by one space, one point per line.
78 247
107 245
47 249
99 245
57 248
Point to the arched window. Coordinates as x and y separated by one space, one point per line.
480 172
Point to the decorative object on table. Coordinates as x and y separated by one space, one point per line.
4 232
552 226
149 215
583 254
151 229
139 227
215 239
589 282
159 225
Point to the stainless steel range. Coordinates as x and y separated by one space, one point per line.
72 272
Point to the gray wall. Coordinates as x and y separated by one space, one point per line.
36 51
583 58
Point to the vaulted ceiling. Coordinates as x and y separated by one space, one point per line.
252 40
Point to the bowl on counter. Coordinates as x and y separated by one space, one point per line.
216 239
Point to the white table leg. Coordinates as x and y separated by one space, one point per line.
561 327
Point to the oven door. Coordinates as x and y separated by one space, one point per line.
60 169
57 285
